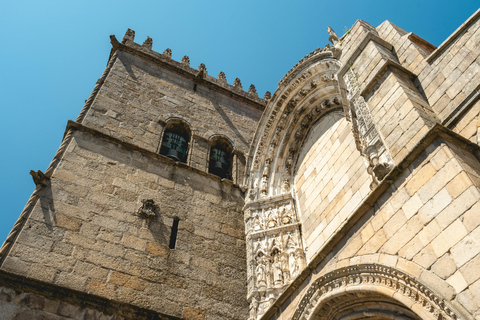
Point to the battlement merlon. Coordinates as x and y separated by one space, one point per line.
183 69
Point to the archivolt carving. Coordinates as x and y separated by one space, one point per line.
309 96
368 277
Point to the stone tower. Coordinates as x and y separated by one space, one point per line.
141 205
351 192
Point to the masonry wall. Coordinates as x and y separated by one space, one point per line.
138 97
426 225
330 181
447 77
85 234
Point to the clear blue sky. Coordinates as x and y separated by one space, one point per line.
53 52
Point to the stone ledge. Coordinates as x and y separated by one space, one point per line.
437 130
78 298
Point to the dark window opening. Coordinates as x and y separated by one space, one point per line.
175 141
173 234
194 87
221 158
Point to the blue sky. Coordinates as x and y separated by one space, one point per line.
53 52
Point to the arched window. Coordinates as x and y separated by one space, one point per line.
221 158
176 138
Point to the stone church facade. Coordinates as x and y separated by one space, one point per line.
351 192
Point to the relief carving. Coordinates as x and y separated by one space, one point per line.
277 254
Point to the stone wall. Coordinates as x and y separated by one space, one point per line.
331 180
85 232
426 225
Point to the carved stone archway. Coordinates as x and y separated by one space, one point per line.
371 290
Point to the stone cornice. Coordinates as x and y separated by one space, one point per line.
188 72
79 298
442 47
436 131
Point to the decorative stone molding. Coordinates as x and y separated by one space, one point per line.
369 277
367 138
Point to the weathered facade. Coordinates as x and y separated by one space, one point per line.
352 191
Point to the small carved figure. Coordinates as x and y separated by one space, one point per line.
39 178
148 209
260 272
272 219
333 36
277 269
286 218
256 223
267 96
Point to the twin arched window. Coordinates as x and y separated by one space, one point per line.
175 145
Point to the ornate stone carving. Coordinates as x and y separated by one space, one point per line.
237 84
367 277
148 210
267 96
252 90
167 53
367 138
276 255
148 43
185 61
222 77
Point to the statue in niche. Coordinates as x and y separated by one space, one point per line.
260 271
293 265
272 218
256 223
286 216
277 268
